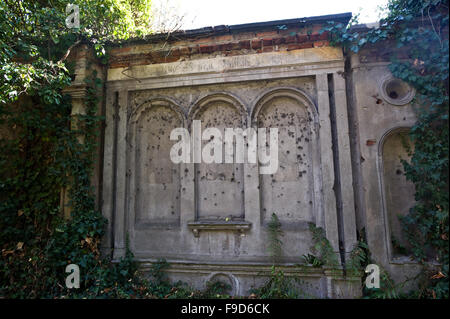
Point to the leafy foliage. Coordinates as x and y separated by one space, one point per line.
274 241
42 153
324 253
278 286
419 31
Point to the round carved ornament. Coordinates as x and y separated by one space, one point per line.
395 91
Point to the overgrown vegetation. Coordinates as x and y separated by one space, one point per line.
278 286
418 32
42 154
322 252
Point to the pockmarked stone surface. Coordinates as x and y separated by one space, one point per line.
340 143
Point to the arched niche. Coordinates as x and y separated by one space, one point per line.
155 187
290 191
398 192
219 188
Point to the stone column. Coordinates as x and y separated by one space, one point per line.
120 226
345 167
108 170
327 166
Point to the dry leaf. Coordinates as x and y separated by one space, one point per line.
19 212
438 276
19 245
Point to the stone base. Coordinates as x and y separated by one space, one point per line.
312 282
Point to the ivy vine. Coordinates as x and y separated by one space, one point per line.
418 30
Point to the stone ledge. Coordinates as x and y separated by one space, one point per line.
213 225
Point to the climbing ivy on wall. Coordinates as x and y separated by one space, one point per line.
418 32
41 153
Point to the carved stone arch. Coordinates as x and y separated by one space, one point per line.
291 92
154 180
397 194
227 98
219 187
293 113
155 102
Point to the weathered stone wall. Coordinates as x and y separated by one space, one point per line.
340 130
382 113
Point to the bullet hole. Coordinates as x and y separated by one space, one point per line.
398 172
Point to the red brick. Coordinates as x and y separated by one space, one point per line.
314 37
302 38
223 47
267 34
194 49
206 48
267 42
278 41
235 46
175 52
323 36
319 44
171 58
256 44
293 47
114 65
291 39
245 44
371 142
215 48
268 49
299 46
306 45
184 51
203 40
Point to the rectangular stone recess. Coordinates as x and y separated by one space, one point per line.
157 178
219 187
215 212
290 191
